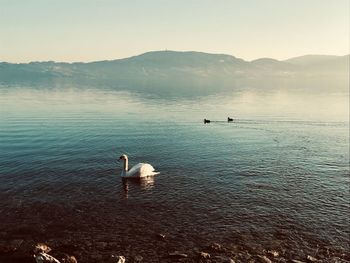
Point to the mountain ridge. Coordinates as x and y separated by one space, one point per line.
177 52
190 72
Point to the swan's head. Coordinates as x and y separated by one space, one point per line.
123 157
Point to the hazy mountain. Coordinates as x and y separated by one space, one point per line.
321 62
310 59
185 73
273 64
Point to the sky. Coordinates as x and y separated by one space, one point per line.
91 30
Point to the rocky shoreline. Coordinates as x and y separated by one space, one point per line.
68 251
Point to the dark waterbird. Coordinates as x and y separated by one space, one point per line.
206 121
209 121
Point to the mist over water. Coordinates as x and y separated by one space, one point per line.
250 104
277 177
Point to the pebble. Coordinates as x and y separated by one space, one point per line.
118 259
264 259
177 254
42 257
311 259
273 253
92 252
161 236
204 255
69 259
41 247
215 247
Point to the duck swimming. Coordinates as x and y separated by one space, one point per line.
206 121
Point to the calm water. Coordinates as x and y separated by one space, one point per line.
276 178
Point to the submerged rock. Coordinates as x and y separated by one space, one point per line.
264 259
42 257
68 259
311 259
120 259
216 247
161 236
177 254
204 255
273 253
41 248
117 259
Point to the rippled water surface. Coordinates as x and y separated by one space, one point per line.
277 177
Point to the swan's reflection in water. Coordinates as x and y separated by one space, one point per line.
145 183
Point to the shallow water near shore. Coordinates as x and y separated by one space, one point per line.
277 178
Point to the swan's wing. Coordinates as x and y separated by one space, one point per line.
134 171
141 170
147 170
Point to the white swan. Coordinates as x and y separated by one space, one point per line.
137 171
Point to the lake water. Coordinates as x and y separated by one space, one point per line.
276 178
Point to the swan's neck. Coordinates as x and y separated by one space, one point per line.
126 165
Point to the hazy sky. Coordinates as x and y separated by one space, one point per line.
87 30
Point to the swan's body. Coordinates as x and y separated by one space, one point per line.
137 171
